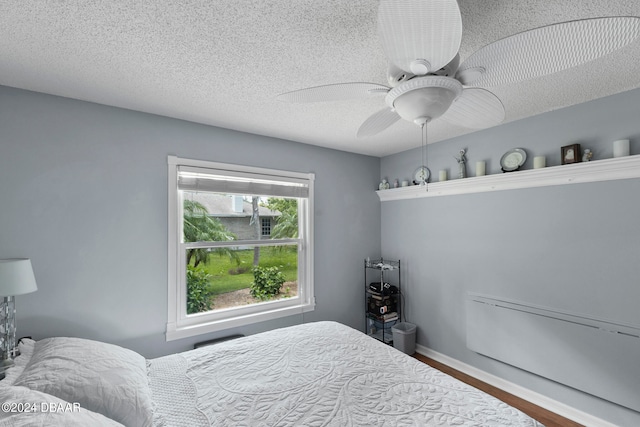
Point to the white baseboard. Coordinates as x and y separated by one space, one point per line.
519 391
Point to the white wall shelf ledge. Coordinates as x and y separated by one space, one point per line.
577 173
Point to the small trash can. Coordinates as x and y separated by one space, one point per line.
404 337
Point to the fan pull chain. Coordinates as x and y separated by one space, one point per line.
424 155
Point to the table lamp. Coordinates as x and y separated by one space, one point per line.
16 278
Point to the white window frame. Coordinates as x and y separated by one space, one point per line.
181 325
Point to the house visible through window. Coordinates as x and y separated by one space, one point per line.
240 246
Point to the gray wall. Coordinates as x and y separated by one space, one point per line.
83 193
574 247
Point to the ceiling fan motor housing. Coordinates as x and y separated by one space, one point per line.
423 99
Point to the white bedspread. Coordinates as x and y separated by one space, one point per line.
316 374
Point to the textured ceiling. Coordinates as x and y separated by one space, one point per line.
223 62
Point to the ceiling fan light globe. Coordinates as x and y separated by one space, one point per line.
425 97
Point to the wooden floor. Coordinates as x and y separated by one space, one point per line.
549 419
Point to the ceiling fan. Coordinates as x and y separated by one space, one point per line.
421 39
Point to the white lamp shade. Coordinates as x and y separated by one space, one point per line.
16 277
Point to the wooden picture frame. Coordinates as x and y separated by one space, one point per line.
570 154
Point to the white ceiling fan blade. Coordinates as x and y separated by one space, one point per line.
420 36
335 92
378 122
476 109
547 50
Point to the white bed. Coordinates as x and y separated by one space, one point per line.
316 374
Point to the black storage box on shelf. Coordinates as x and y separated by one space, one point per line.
382 305
379 288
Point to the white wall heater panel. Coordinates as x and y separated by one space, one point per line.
599 357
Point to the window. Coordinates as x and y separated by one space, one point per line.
240 245
266 226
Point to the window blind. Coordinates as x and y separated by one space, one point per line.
236 182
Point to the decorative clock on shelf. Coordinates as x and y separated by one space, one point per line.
513 160
421 175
